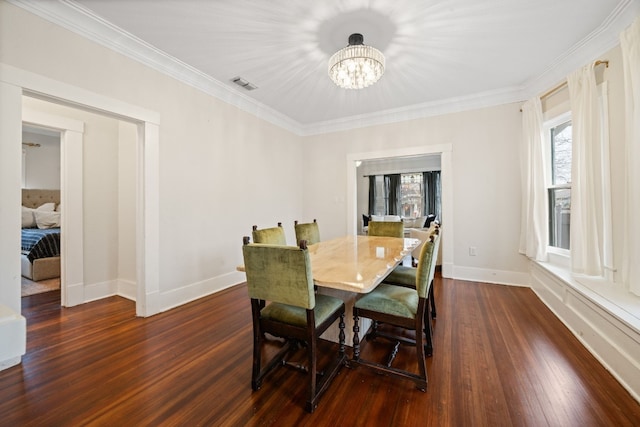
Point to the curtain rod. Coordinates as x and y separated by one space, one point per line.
564 83
31 144
400 173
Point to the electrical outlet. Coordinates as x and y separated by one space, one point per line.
472 251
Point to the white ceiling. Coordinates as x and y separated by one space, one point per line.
442 55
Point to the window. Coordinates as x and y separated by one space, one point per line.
560 138
411 195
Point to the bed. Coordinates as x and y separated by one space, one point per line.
40 247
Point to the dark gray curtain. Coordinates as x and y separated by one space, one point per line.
432 193
372 194
392 187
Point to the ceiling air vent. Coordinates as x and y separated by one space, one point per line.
243 83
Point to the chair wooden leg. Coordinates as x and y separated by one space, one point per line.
277 360
341 335
422 363
428 330
256 381
311 354
433 301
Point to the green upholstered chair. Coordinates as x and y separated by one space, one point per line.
404 308
386 229
406 276
271 236
307 231
284 305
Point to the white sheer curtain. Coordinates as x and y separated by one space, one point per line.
630 44
533 221
587 195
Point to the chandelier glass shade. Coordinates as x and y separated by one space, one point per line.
357 65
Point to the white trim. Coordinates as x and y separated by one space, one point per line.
52 90
445 151
85 23
610 332
177 297
499 277
601 40
148 181
71 197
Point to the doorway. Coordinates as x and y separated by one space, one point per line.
99 175
16 83
446 165
40 257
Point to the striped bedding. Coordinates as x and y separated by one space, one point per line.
37 243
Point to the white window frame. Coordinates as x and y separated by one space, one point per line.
547 126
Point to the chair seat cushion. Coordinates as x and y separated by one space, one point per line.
402 275
325 306
393 300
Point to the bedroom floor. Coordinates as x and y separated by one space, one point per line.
30 287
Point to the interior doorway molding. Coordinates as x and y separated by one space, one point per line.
71 198
16 83
446 181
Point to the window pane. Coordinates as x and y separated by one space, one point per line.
411 194
561 154
559 217
381 196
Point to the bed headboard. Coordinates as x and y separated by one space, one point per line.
32 198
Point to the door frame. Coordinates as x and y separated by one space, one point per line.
16 83
446 177
71 198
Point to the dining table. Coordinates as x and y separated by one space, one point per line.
357 263
347 266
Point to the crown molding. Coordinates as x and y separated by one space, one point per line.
596 44
85 23
70 15
419 111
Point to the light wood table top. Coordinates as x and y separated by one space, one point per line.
357 263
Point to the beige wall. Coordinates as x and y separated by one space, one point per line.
42 164
223 170
485 174
100 189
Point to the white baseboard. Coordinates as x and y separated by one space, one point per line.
612 341
6 364
177 297
96 291
74 294
127 289
500 277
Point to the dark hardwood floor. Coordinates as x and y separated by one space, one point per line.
501 358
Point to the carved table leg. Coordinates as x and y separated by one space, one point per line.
356 338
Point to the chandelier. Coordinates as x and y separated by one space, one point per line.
357 65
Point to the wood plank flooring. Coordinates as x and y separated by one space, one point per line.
501 359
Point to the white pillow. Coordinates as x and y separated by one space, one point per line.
59 207
419 223
28 220
409 222
47 207
46 219
377 218
392 218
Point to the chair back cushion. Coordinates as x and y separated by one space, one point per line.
309 232
270 236
427 265
386 229
279 274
